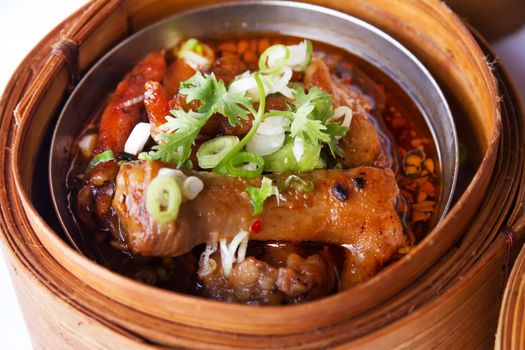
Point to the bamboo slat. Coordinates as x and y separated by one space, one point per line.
511 327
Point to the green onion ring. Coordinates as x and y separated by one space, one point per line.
101 158
309 52
263 65
163 199
233 166
256 122
211 152
190 44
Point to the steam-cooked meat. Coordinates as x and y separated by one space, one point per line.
177 72
228 67
337 211
258 282
362 144
123 110
121 114
156 102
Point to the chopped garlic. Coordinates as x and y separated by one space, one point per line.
177 174
138 138
191 187
86 144
195 60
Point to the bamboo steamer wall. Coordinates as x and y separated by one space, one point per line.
444 294
511 326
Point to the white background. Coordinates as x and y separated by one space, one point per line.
22 24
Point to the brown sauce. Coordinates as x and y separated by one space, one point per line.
398 120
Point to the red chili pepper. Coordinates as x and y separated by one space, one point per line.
256 226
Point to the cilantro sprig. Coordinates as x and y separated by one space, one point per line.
215 98
181 130
311 112
308 131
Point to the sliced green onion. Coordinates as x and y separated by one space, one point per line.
101 158
300 55
87 143
341 112
198 49
210 153
298 183
277 55
256 122
309 54
273 83
240 163
190 45
192 51
259 195
284 160
163 199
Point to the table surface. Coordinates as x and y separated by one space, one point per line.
17 38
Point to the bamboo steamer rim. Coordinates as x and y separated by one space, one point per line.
71 260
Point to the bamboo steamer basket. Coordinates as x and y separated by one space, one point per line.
445 293
511 326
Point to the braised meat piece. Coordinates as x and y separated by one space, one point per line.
353 207
177 72
226 68
123 110
362 144
257 281
120 116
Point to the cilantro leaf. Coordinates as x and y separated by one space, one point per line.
205 89
180 131
229 106
259 195
335 131
309 115
311 129
215 98
184 121
176 147
317 97
312 111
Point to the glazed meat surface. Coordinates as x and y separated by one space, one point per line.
122 113
353 207
123 110
291 280
362 144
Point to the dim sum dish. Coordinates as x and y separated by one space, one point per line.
261 174
256 168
